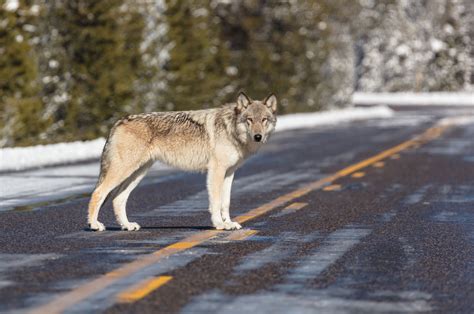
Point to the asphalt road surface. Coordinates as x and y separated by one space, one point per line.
365 217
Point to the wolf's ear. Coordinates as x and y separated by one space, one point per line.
271 102
243 101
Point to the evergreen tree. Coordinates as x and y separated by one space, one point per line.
449 67
55 72
196 69
21 110
418 46
282 47
148 32
104 61
69 69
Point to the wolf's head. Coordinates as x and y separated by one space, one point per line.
256 119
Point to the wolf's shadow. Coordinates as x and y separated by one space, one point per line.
158 228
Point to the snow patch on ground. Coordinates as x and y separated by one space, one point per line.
425 99
21 158
331 117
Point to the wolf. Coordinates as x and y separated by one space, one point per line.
216 140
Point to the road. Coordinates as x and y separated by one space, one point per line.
365 217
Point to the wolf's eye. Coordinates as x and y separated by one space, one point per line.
249 120
264 120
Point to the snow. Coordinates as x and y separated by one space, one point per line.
11 5
331 117
415 45
437 45
403 50
41 186
425 99
21 158
44 184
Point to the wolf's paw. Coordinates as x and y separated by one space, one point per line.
97 226
131 226
232 225
219 225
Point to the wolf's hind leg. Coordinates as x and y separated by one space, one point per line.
122 162
120 201
112 180
100 194
97 199
226 192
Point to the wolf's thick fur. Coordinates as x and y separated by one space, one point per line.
214 140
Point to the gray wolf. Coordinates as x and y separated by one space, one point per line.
215 140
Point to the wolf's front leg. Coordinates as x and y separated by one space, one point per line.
215 180
226 192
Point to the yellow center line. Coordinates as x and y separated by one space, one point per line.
183 245
295 206
142 289
70 298
332 187
379 164
358 174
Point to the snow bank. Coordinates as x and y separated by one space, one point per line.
21 158
307 120
435 99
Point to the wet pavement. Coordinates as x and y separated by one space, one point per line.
355 218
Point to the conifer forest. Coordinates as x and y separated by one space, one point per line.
70 68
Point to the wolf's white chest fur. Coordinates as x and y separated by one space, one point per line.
228 155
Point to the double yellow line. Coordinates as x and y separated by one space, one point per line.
87 290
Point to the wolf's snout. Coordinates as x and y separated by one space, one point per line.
257 137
